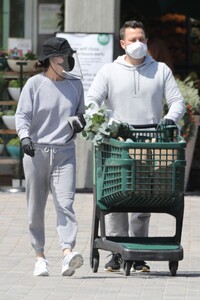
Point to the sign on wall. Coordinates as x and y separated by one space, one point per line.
19 46
94 50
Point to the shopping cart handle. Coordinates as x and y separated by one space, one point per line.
145 126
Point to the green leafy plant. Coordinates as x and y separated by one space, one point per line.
30 56
9 112
98 126
1 140
14 142
16 83
190 94
191 98
192 101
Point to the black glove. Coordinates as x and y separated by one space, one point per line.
77 123
125 131
166 122
28 146
169 132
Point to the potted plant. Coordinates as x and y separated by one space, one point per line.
13 147
8 117
192 101
190 121
29 58
14 88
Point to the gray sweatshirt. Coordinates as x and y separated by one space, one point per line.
136 94
44 108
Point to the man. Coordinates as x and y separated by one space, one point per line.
133 87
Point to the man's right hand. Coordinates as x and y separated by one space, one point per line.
28 146
166 122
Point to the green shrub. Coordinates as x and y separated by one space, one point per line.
14 142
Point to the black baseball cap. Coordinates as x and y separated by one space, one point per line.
55 46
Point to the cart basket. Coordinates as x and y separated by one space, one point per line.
147 171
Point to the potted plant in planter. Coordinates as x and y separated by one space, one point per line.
13 147
14 88
30 58
8 117
192 101
190 121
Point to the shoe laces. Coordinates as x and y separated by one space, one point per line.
116 257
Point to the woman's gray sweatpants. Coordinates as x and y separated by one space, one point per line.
51 169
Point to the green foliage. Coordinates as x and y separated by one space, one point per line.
192 101
97 126
190 94
61 17
30 56
9 112
14 142
16 83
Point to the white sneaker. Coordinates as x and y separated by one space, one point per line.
71 262
41 267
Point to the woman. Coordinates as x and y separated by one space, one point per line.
48 116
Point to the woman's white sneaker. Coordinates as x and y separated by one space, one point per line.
41 267
71 262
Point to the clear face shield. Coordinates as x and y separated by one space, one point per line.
71 68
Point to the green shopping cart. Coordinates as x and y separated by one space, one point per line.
144 174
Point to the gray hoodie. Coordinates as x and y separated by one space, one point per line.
44 108
136 93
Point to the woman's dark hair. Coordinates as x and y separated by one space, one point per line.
131 24
43 64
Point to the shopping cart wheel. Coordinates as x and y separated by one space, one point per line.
127 267
173 267
95 264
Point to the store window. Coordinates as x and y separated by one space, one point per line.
11 20
17 18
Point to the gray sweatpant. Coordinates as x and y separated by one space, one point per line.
127 224
51 169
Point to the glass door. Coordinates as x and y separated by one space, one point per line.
17 21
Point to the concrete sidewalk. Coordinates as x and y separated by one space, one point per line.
17 258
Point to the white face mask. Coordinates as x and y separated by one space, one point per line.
136 50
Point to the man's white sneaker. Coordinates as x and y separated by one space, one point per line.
41 267
71 262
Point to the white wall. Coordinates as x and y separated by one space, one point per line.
89 16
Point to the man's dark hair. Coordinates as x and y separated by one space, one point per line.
131 24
